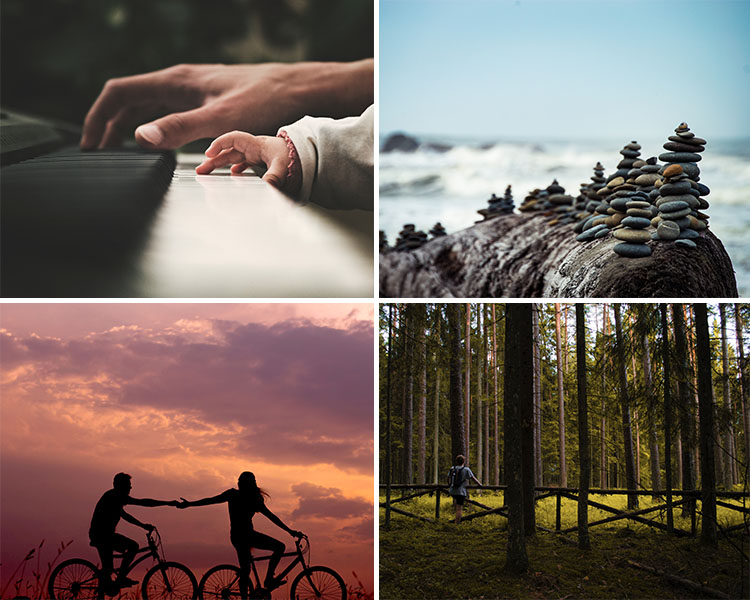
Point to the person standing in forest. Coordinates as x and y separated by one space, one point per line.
458 477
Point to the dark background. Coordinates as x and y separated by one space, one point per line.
55 55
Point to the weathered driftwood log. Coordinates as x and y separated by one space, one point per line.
523 256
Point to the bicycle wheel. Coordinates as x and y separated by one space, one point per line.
318 582
169 581
74 579
221 582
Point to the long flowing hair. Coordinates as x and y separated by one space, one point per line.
246 481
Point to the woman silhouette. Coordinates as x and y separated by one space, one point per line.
243 503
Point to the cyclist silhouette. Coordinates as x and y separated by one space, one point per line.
243 503
107 514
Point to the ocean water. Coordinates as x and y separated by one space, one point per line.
428 186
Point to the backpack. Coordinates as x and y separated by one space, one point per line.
455 477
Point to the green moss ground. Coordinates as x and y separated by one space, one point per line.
442 560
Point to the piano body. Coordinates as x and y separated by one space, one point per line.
129 223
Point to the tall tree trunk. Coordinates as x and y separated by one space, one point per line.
422 408
708 485
458 443
667 415
583 431
467 384
603 483
694 435
627 433
408 413
518 390
743 387
560 401
653 439
479 408
388 423
436 429
496 480
684 406
731 453
485 336
537 396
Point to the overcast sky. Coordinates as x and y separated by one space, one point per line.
184 398
557 68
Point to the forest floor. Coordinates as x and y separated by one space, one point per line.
444 560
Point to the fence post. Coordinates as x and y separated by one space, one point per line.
558 510
437 504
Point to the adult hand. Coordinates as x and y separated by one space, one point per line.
242 149
182 503
186 102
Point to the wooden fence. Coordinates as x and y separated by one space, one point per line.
688 499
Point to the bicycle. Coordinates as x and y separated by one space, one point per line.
79 579
222 582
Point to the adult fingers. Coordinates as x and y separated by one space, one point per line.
239 167
116 95
177 129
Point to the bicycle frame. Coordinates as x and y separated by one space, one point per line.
147 551
298 553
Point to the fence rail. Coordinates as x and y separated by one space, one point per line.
687 501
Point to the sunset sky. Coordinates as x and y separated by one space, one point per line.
184 397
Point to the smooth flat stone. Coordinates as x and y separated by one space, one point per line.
703 190
697 224
632 235
632 250
639 204
587 236
640 213
602 233
615 182
675 215
633 145
674 206
680 157
650 168
647 179
636 222
672 170
688 243
675 189
702 203
668 230
688 199
630 153
683 140
688 234
682 147
690 168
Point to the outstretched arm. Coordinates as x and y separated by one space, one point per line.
150 502
278 522
203 501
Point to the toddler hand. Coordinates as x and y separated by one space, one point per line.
242 149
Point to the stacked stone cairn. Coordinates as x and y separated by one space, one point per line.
590 200
409 238
630 153
680 198
383 241
498 206
438 230
638 212
536 200
561 203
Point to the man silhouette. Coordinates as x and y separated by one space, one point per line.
107 514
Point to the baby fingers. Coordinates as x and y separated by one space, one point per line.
227 157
